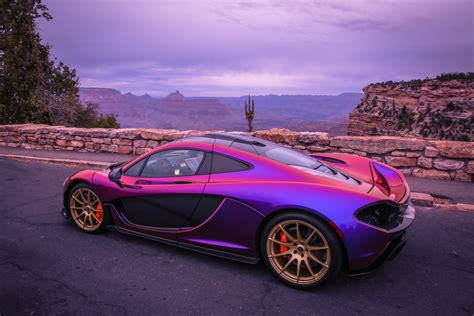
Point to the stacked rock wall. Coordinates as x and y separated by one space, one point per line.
422 158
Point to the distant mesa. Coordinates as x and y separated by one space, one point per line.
175 96
175 111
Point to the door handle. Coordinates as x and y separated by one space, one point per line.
180 182
148 182
143 182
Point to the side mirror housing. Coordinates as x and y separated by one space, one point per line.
115 174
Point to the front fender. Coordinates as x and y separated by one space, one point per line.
84 176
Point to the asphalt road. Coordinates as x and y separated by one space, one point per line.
47 266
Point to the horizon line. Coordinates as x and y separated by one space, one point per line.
216 97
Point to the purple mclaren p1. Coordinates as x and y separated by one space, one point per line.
244 198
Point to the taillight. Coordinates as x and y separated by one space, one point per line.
383 214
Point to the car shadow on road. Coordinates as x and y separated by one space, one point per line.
254 272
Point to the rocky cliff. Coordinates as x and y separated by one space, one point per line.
439 108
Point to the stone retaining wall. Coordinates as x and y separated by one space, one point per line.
417 157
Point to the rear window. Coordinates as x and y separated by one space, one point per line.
245 147
288 156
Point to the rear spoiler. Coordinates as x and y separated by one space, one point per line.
390 181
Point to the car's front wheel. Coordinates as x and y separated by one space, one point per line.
85 208
301 250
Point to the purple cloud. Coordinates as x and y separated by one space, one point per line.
259 47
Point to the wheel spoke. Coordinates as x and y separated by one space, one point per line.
280 242
95 217
312 257
286 233
308 265
298 271
93 199
287 264
316 248
75 218
308 239
78 201
84 199
298 233
79 207
288 252
89 197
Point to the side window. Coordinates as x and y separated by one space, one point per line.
245 147
222 164
134 171
171 163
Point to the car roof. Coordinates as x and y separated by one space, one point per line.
228 137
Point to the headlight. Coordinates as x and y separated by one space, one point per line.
384 215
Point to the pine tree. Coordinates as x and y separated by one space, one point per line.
33 87
24 63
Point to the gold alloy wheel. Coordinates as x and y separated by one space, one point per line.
299 252
86 209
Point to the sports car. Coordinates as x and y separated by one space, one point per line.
308 217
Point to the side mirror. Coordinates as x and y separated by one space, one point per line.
115 174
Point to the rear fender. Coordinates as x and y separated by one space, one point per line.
352 165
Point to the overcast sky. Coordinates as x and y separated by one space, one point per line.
231 48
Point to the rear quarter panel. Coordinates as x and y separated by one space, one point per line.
268 198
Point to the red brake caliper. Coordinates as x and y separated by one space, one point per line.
283 238
99 214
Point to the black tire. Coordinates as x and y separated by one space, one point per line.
329 240
105 218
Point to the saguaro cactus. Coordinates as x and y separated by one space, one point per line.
249 114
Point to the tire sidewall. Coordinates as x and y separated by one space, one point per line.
334 242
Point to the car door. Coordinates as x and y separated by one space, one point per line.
166 187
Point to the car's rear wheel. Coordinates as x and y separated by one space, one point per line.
301 250
85 208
